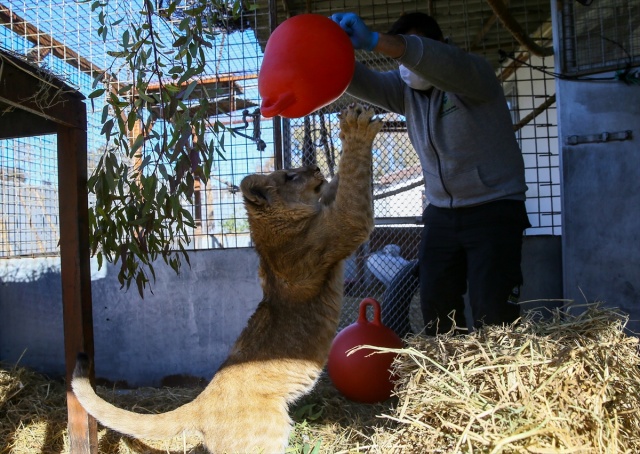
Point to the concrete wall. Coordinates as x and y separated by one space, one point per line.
542 272
188 324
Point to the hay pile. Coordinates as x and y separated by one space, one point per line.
33 416
565 384
33 412
568 384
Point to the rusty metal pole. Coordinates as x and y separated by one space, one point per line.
76 276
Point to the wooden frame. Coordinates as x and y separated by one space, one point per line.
23 115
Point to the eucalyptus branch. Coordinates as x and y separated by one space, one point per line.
155 136
149 12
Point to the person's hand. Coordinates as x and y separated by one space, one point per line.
360 35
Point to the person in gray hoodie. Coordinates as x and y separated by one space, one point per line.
459 123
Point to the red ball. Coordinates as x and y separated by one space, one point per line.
364 375
308 63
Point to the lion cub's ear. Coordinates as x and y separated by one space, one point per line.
256 189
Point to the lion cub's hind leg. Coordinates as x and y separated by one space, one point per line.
251 429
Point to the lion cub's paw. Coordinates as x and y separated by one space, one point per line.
358 122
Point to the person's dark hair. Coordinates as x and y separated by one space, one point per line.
418 22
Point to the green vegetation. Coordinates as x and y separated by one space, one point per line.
155 127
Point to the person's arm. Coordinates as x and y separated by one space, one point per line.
446 66
382 89
393 46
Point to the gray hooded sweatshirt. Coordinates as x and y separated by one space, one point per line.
461 129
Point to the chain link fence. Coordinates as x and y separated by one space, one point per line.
386 267
61 35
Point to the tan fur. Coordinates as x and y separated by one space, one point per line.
303 229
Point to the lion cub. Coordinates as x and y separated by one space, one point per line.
303 228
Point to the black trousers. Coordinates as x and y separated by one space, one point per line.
480 246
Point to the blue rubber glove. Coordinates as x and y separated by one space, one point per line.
360 35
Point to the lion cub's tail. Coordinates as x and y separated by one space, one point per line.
163 425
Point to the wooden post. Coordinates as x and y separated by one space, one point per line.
76 276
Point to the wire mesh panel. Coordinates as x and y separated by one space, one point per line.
55 37
531 96
386 267
28 197
62 35
600 35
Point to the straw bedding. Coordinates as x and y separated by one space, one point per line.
567 383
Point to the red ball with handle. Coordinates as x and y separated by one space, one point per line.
308 63
364 375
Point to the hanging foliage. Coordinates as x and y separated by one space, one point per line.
159 136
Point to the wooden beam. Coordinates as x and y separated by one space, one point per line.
517 62
210 81
19 123
535 112
25 87
76 277
501 10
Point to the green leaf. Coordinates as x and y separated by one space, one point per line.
105 114
180 42
106 129
140 283
96 93
172 89
147 98
115 54
131 120
189 89
139 221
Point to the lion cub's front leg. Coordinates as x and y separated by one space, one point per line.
353 202
358 128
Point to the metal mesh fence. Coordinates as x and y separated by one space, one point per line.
385 268
29 197
600 35
61 35
53 36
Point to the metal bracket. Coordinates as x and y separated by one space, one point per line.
600 138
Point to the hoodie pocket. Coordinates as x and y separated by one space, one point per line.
468 184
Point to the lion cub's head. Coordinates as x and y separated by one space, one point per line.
284 190
279 205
